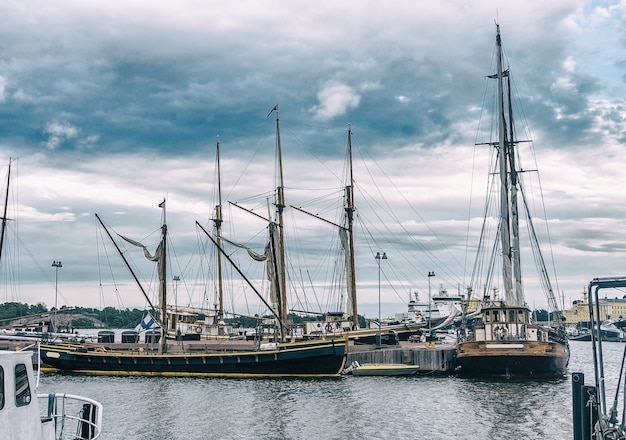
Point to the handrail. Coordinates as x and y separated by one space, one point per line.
73 413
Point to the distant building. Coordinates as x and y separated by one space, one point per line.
610 308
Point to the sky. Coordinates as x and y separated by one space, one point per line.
110 107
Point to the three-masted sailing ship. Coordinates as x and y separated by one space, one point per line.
502 339
283 357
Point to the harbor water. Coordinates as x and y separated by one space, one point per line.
419 407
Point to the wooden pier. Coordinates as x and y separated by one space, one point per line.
429 357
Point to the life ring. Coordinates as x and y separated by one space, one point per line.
329 328
100 350
198 329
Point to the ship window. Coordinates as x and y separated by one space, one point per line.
1 387
495 316
22 387
487 317
511 315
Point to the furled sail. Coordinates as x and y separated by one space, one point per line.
254 255
146 252
271 263
343 238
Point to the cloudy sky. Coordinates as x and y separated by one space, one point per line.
109 107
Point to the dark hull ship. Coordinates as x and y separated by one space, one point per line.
501 339
320 358
279 357
508 345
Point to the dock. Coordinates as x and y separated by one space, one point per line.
429 357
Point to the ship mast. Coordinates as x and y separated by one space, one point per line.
162 267
280 207
517 265
350 264
217 224
505 203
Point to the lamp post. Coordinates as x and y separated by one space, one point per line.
379 257
56 265
176 280
430 275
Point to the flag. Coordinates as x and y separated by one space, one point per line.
495 75
162 204
147 323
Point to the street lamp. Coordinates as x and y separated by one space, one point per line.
379 257
176 280
56 265
430 275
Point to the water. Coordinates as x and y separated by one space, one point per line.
420 407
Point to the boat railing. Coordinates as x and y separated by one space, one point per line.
593 418
73 417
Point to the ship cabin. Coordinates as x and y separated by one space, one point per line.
507 323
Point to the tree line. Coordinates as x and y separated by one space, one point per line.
110 317
84 317
129 318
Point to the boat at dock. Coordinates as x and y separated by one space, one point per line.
26 415
502 340
611 330
318 358
313 358
434 312
383 369
280 356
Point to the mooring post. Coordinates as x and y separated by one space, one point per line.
578 405
584 407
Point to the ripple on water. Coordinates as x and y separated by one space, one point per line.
420 407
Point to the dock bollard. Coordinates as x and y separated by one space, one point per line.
584 415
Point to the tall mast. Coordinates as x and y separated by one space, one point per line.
517 265
350 264
280 206
217 224
505 234
162 266
4 215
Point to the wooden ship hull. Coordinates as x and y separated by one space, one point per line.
513 358
321 358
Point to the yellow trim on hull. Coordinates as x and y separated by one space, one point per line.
166 374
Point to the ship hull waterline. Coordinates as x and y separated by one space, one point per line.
310 359
520 359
